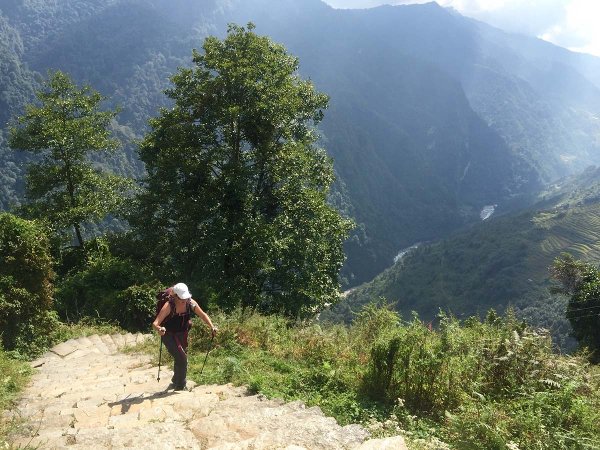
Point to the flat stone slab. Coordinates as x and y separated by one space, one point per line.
63 349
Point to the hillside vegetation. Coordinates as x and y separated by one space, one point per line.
492 383
501 262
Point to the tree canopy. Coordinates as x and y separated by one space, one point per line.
237 190
63 186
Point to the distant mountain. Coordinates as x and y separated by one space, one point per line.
433 116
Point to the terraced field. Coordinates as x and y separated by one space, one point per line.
576 231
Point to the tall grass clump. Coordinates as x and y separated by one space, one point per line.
487 384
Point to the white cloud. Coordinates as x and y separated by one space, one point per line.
572 24
579 30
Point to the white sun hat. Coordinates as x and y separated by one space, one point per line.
182 291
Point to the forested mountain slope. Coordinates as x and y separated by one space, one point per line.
499 263
432 115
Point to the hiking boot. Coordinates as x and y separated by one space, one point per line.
180 388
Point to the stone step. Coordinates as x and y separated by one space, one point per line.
108 341
47 358
142 436
391 443
119 340
64 348
54 438
84 342
99 344
130 340
140 337
274 424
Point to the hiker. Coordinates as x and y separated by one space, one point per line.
173 327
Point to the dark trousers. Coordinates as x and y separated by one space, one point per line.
176 344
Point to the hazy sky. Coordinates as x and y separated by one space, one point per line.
573 24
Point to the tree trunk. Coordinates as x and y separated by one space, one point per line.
78 234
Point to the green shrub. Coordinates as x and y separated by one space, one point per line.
373 321
138 306
110 289
580 281
15 375
491 383
25 286
377 383
409 363
85 327
555 415
264 332
231 368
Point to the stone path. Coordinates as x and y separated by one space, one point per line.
88 395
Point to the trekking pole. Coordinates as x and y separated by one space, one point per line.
209 349
159 357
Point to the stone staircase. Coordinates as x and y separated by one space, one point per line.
88 395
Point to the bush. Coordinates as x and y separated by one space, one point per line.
110 289
409 363
15 375
581 282
25 286
138 306
490 383
85 327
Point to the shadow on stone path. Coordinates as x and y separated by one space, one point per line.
88 395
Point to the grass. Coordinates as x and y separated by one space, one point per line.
14 376
85 327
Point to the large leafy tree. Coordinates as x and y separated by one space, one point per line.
580 281
236 188
66 128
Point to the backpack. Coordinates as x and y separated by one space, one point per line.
163 297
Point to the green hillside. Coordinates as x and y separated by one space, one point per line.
500 262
